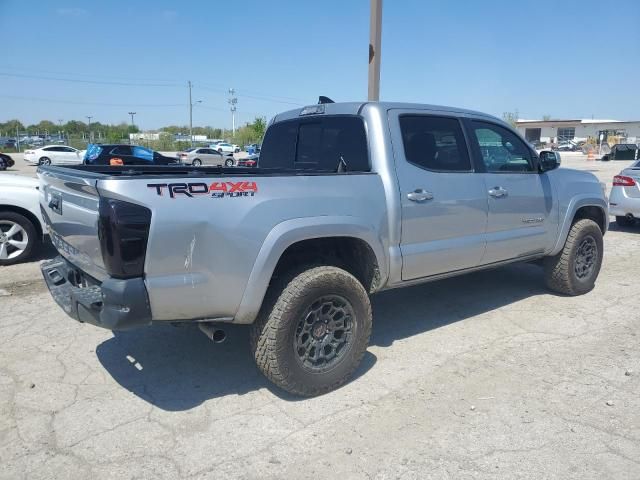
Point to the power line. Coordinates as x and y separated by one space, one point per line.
92 82
101 104
222 91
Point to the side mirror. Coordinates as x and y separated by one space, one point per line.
549 160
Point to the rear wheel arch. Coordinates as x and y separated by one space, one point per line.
293 242
351 254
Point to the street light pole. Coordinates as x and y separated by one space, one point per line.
190 116
89 127
132 127
375 41
233 102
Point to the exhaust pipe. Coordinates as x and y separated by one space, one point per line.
214 334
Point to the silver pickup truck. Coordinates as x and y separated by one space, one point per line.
349 199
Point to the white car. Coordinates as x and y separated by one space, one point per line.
21 225
54 155
224 147
624 200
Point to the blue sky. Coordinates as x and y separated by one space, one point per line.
565 59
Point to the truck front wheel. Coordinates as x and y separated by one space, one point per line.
312 331
574 270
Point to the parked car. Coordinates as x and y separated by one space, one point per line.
11 143
6 161
21 226
623 151
250 161
53 155
204 156
624 199
118 154
224 147
295 246
567 146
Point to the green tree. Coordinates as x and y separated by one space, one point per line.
9 128
259 126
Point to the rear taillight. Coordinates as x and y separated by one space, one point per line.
622 181
123 230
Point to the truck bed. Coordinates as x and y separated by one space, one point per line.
210 227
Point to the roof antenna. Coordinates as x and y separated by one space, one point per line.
322 99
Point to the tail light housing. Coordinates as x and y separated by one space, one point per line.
623 181
123 230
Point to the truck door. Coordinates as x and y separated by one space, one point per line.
443 202
520 198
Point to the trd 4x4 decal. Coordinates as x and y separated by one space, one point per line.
215 190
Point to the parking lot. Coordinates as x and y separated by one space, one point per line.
483 376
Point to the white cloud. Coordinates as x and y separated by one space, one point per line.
71 12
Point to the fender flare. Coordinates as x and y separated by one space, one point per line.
575 204
285 234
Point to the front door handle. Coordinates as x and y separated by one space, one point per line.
498 192
419 195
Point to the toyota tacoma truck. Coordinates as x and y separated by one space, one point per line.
348 199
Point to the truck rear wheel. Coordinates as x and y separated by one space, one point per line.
575 269
312 331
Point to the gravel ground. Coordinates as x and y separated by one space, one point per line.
483 376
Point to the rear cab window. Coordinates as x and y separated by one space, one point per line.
318 144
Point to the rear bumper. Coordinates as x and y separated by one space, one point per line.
620 204
114 304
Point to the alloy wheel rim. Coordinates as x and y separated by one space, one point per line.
13 240
586 258
324 333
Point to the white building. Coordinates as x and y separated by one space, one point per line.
554 131
144 136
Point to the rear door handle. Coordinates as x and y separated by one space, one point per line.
419 195
498 192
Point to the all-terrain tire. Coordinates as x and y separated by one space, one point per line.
560 271
274 332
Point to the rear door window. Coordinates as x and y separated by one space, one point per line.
121 150
434 143
319 144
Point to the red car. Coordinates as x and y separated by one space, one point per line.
250 161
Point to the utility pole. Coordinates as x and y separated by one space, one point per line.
375 37
89 127
132 127
190 116
233 101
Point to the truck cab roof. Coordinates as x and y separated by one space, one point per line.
355 108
